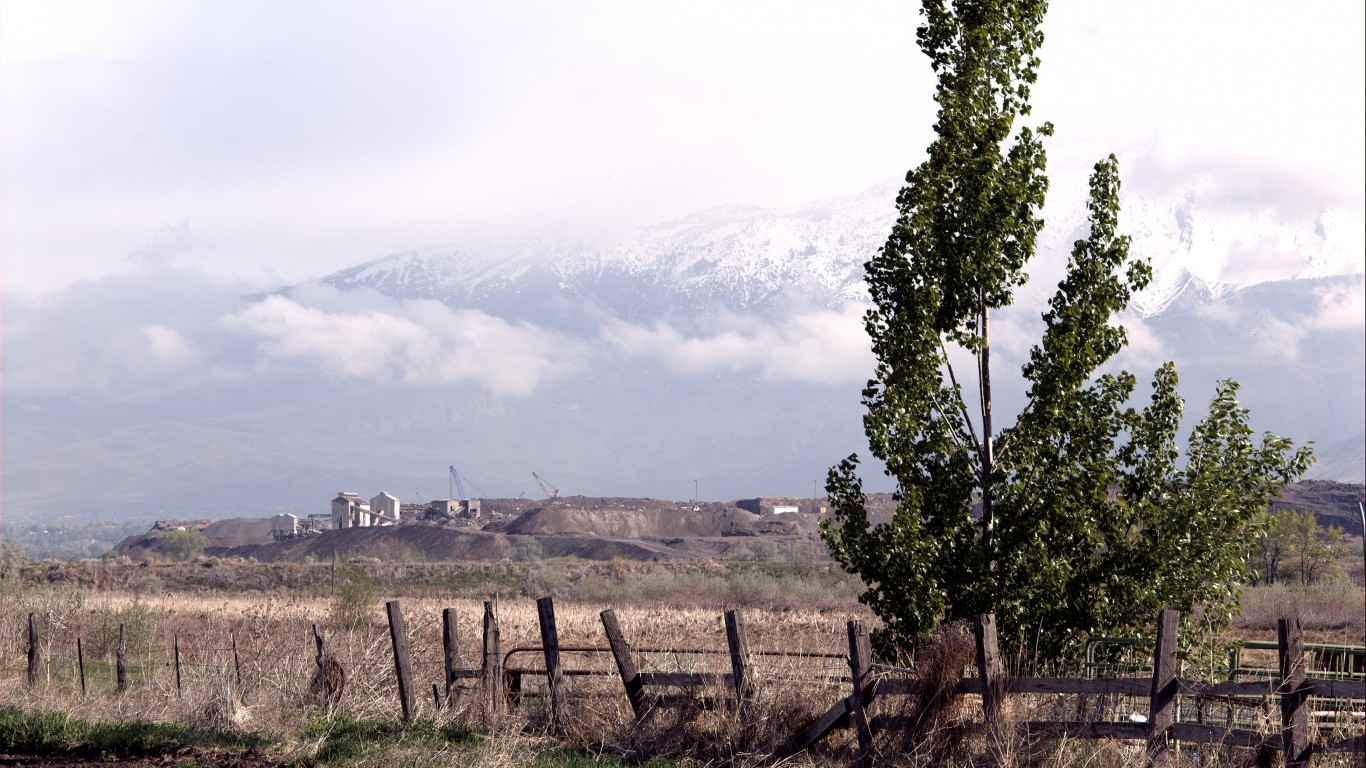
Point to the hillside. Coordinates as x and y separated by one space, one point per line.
594 528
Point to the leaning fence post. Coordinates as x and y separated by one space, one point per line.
236 662
739 660
493 666
450 645
175 642
550 643
626 664
1294 700
1162 701
32 650
80 663
993 683
860 664
403 669
120 663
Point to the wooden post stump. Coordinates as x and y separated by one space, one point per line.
1295 736
403 670
32 650
493 666
120 665
1162 704
860 665
450 650
739 661
550 643
80 663
993 685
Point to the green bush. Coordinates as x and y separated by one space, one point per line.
354 603
183 544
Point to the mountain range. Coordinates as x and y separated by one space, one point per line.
717 356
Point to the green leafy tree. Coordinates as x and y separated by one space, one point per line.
1085 523
183 544
1294 541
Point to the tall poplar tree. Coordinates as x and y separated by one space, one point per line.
1085 523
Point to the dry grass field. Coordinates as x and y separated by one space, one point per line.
796 610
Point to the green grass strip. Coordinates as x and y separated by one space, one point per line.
45 733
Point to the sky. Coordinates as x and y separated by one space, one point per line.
265 143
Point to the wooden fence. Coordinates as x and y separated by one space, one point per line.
871 687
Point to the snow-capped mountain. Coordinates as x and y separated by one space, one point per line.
751 259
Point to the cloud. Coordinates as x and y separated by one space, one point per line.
824 347
120 338
1342 307
167 345
364 336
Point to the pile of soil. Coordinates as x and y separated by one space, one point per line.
648 520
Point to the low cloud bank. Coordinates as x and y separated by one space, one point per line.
820 347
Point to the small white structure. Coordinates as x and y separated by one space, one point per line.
284 526
348 511
385 508
447 507
784 510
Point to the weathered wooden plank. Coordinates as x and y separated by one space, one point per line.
1249 688
1218 734
1334 689
1087 729
1355 744
1162 705
1295 738
836 716
1129 686
686 679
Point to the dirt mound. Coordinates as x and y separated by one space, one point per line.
238 531
218 534
437 543
646 520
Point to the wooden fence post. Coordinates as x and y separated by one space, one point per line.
550 643
175 644
626 664
450 646
993 685
860 664
403 669
1295 736
80 663
493 666
32 650
739 661
120 661
236 662
1162 704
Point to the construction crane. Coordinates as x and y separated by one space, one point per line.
457 485
550 493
